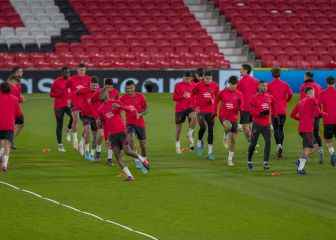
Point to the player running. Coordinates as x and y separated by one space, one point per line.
110 115
10 109
60 93
184 100
305 112
75 83
230 101
135 123
248 86
87 115
206 94
262 108
309 82
282 93
327 102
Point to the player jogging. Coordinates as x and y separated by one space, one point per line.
75 83
10 109
206 94
248 86
110 115
59 92
309 82
282 93
230 101
135 123
262 108
305 112
184 109
328 105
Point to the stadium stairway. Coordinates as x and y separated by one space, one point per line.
222 33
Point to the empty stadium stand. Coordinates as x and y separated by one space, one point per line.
125 34
286 33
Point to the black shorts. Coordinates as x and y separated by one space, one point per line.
234 128
7 135
19 120
307 140
140 132
89 121
180 117
245 117
118 140
329 131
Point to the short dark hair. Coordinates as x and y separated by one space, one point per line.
187 74
15 69
233 80
200 72
276 72
207 74
330 80
65 70
5 87
95 79
149 86
81 65
307 89
309 74
108 82
262 82
129 83
247 67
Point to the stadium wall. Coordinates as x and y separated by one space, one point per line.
164 81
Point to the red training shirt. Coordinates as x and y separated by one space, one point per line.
327 101
75 83
310 83
231 104
206 95
138 102
261 102
282 94
248 86
10 109
59 92
183 96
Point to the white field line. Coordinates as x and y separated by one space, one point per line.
80 211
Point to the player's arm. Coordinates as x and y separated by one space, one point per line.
289 93
253 107
55 92
295 113
177 95
273 107
144 109
18 110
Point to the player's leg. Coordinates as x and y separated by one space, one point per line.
117 150
201 132
192 120
180 118
308 148
75 117
69 127
245 121
276 133
130 140
329 131
317 139
210 121
59 114
5 138
141 135
232 136
19 124
266 133
86 138
94 131
253 143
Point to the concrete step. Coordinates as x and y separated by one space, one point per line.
198 8
221 36
231 51
236 59
215 29
193 2
226 44
203 15
209 22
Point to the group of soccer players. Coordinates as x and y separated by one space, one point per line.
262 107
11 115
100 109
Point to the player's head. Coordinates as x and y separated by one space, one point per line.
207 77
276 71
245 69
65 72
12 79
150 86
130 87
17 72
108 83
199 75
5 88
262 87
94 83
187 77
308 76
233 82
81 69
330 81
309 91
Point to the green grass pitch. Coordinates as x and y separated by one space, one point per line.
183 198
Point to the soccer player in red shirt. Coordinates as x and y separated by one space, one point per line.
60 93
230 101
10 109
262 108
309 82
75 83
248 86
327 102
110 115
184 109
206 93
282 93
135 122
87 115
305 112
